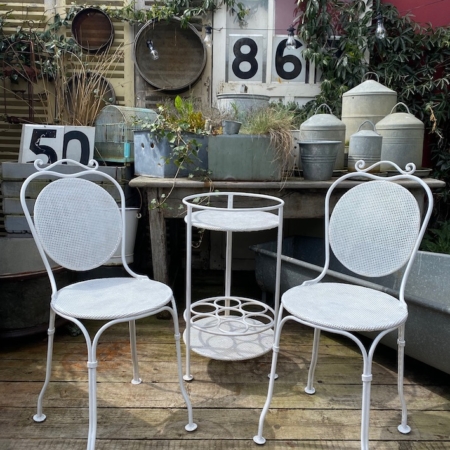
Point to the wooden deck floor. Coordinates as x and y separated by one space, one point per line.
227 397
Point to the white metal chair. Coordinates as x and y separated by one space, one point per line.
374 230
79 225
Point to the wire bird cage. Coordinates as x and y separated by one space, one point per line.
114 132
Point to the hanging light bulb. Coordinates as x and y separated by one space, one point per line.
208 36
380 31
153 52
291 43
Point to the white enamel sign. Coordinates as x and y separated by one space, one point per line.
51 143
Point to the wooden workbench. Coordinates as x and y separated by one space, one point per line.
303 200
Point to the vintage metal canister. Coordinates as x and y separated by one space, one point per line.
325 127
365 145
403 135
369 100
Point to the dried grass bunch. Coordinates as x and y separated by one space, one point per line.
276 121
69 88
80 88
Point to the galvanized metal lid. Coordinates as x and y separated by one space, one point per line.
240 96
322 122
400 120
369 87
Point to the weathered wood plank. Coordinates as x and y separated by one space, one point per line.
305 424
203 371
227 396
108 444
214 371
212 395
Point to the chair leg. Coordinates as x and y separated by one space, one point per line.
92 376
134 358
191 426
188 376
39 416
403 427
309 389
365 409
259 439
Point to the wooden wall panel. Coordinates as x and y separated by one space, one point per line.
15 99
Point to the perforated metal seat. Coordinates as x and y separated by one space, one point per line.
345 307
374 230
79 224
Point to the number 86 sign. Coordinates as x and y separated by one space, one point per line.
245 59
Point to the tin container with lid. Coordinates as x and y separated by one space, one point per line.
370 100
325 127
403 136
365 145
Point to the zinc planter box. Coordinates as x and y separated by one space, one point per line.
426 293
243 157
151 155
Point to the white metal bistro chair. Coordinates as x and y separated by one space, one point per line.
374 230
79 225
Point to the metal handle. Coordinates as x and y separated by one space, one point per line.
324 104
373 73
367 121
400 103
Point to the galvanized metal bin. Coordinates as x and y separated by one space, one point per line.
114 132
365 145
242 103
403 136
325 127
370 100
426 292
153 156
243 157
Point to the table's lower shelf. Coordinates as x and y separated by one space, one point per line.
230 328
230 348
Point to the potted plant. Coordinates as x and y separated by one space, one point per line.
262 151
175 144
230 122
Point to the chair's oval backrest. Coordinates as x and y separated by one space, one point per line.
78 222
374 227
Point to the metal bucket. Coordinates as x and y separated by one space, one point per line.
318 158
325 127
365 145
403 136
241 103
369 100
231 126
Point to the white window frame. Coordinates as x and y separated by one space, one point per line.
277 89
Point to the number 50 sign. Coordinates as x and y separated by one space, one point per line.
51 143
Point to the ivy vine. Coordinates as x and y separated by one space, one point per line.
47 37
412 60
